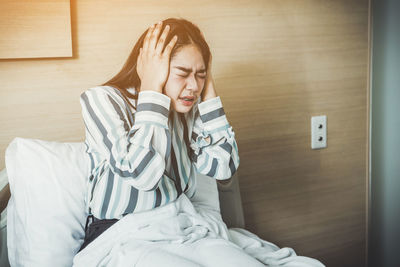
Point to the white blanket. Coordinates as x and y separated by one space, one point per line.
180 234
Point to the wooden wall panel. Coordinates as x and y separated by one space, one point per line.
35 29
276 64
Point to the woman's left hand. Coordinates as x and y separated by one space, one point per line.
209 87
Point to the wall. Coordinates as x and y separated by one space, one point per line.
276 64
385 128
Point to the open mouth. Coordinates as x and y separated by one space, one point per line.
187 101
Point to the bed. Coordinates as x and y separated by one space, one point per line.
43 224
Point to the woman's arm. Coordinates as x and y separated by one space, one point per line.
135 152
213 141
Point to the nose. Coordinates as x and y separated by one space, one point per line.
191 83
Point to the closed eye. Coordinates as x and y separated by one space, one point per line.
200 76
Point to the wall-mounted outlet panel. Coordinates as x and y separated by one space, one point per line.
318 132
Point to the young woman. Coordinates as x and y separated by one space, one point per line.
153 125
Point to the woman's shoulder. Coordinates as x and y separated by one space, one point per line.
108 96
104 92
101 90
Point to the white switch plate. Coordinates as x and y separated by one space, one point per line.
318 132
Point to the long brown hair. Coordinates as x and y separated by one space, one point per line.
187 33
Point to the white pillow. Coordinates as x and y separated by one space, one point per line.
46 212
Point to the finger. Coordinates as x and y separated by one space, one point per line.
154 36
160 43
139 59
146 39
140 53
209 63
168 48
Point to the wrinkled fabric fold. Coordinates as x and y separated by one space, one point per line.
184 235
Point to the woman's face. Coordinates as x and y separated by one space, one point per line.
186 78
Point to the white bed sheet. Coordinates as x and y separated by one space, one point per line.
176 235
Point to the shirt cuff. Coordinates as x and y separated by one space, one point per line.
212 115
152 107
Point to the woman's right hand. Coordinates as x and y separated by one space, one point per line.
153 63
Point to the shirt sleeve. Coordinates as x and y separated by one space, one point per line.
135 150
213 141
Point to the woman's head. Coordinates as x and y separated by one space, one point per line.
188 65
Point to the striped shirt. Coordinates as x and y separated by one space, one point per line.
146 155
